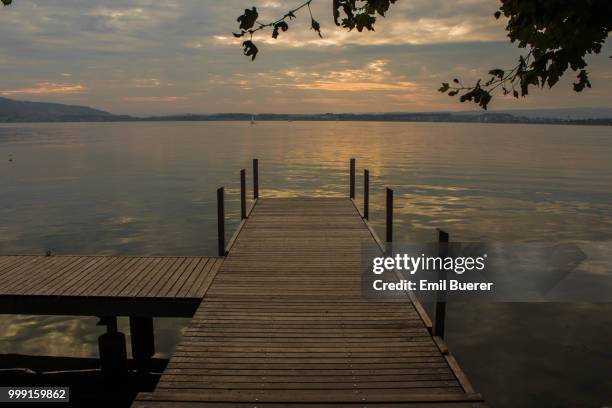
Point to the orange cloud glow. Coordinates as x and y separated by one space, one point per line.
374 76
355 86
46 88
153 99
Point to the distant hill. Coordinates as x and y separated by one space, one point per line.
558 113
22 111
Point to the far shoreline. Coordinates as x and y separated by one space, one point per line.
585 122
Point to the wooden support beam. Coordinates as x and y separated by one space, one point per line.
243 211
255 179
366 194
439 311
352 180
113 354
143 342
389 218
221 220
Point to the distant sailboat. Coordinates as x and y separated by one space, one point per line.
252 119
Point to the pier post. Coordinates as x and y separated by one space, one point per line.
221 220
143 342
243 194
389 223
439 310
352 180
255 179
366 194
113 354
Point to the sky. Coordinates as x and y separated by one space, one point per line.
146 57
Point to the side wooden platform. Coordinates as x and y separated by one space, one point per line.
105 285
283 324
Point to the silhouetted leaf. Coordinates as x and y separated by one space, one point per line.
314 24
279 26
250 50
290 15
364 20
240 34
248 19
499 73
7 2
583 80
445 87
336 7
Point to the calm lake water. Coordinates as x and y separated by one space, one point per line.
149 188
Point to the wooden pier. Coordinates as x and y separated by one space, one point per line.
278 318
105 285
283 323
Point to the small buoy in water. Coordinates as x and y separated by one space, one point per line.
10 158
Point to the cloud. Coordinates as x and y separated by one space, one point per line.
407 22
354 86
373 77
44 88
149 57
153 99
146 82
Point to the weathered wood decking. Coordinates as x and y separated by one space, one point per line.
104 285
283 324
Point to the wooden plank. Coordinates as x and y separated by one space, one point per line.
175 283
147 290
16 274
200 287
188 281
314 396
45 273
413 404
145 278
113 287
85 281
71 278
